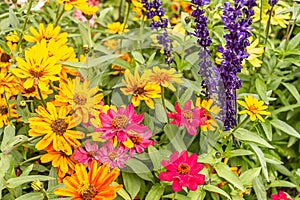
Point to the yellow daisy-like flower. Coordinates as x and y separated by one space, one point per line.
254 108
254 52
65 164
33 92
117 28
276 19
88 10
95 184
37 68
12 40
164 77
49 33
4 60
8 84
80 98
4 115
140 88
68 4
55 127
209 108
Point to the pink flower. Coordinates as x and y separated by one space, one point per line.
115 157
87 155
189 117
116 124
182 170
280 196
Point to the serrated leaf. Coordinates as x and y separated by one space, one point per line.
282 183
283 126
212 188
261 159
155 192
140 169
245 135
237 152
248 176
224 171
173 134
31 196
292 89
15 182
131 183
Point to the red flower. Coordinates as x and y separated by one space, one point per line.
182 170
280 196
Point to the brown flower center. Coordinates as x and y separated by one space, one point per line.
4 57
113 155
183 168
79 99
30 90
89 192
187 114
36 74
120 121
3 110
136 138
138 90
59 126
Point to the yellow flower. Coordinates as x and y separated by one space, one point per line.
117 28
4 115
12 40
140 88
37 68
49 33
70 3
164 77
254 108
4 60
8 84
87 10
254 52
111 44
276 19
65 164
118 69
209 108
33 92
95 184
138 9
80 98
56 127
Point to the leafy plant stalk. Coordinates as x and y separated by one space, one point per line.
59 16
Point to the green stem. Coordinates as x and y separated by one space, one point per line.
91 46
260 17
24 25
142 32
120 11
19 144
241 124
59 16
30 159
125 21
163 98
268 31
41 96
289 34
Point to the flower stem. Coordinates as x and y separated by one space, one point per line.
162 91
268 31
30 159
91 46
25 24
19 144
260 17
141 32
41 96
289 34
239 125
125 21
59 16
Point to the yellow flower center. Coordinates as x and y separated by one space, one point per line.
4 57
162 77
87 191
183 169
120 121
59 126
253 109
3 110
187 114
113 155
79 99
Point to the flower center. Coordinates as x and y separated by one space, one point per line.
138 90
87 191
162 77
59 126
4 57
79 99
253 109
183 169
3 110
187 114
113 155
36 74
120 121
136 138
30 90
92 153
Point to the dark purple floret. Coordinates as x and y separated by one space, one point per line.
272 2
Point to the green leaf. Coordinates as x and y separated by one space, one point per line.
197 195
261 159
27 170
173 134
102 59
13 19
140 169
176 196
186 95
83 33
31 196
15 182
212 188
155 192
237 152
267 129
53 174
294 42
160 113
122 63
155 157
245 135
292 89
259 188
5 161
261 88
283 126
224 171
282 183
248 176
138 57
9 133
124 194
131 183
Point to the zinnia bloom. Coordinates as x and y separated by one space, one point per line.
138 141
37 68
116 157
95 184
164 77
140 88
87 154
6 113
55 125
117 28
280 196
254 108
183 171
189 117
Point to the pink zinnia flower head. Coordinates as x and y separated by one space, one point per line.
183 171
280 196
116 157
88 154
116 124
189 117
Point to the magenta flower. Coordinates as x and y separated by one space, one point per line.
189 117
183 171
115 157
280 196
87 155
